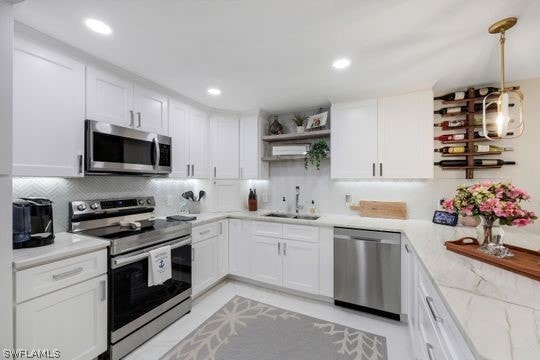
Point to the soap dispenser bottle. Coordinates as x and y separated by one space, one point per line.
312 208
284 206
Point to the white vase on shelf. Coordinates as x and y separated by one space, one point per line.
300 129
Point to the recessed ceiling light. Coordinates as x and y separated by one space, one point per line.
98 26
214 91
341 64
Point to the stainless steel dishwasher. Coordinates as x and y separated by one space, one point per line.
367 271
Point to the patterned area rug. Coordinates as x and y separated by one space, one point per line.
245 329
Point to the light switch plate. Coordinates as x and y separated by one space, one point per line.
265 197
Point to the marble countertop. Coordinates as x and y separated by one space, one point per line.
497 311
65 245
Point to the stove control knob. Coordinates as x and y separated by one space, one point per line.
149 201
94 206
141 202
81 207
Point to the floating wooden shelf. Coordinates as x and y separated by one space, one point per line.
450 102
473 154
471 167
295 136
285 158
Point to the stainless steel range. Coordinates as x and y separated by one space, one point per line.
137 311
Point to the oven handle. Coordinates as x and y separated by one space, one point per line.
116 263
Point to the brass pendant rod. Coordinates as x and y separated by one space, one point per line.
502 39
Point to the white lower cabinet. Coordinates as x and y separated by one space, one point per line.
223 248
240 247
72 320
266 255
205 264
301 266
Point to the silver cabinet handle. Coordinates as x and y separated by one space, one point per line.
204 232
373 169
192 170
188 170
139 119
380 169
215 171
284 248
131 118
103 290
192 254
220 228
430 353
67 274
407 248
434 313
279 248
80 158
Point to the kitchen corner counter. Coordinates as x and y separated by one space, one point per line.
497 311
65 245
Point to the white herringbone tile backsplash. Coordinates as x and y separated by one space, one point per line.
62 191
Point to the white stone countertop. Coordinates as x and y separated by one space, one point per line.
65 245
497 311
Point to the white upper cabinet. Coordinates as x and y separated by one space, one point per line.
199 128
251 147
354 140
406 136
118 101
178 130
224 140
48 112
150 111
109 98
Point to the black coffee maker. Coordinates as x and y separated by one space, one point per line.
32 222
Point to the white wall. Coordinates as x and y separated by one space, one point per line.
421 196
6 55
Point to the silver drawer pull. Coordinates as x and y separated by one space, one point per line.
103 290
431 305
407 248
204 232
67 274
430 353
279 248
284 248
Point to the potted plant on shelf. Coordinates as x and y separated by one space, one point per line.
299 119
317 152
491 201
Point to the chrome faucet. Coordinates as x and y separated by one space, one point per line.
298 206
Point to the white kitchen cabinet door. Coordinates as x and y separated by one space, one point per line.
109 98
72 320
223 248
266 255
354 140
151 113
205 264
225 142
48 112
178 131
251 147
226 195
406 136
240 247
199 130
301 266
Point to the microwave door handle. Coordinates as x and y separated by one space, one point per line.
156 152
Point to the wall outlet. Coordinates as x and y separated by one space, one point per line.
265 197
170 200
348 200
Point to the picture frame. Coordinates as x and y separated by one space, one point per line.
317 121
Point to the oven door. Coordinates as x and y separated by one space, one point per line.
117 149
133 303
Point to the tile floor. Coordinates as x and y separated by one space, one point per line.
396 333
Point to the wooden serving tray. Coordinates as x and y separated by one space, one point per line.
524 262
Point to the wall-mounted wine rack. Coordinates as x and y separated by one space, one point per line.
470 100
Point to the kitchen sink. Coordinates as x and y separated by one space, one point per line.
293 216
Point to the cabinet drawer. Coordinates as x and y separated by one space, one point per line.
39 280
267 229
301 233
429 342
204 232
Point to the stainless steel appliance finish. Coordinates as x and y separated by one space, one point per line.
367 270
121 150
137 311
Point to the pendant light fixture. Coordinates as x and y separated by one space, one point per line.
504 97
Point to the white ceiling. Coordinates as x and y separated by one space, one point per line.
277 54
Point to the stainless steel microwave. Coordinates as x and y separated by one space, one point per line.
121 150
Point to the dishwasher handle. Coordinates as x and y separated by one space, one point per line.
367 239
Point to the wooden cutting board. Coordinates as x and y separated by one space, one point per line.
382 209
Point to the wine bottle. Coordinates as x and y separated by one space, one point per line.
491 148
462 95
477 162
451 137
452 150
450 124
458 95
463 109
